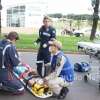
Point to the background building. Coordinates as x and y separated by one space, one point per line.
24 16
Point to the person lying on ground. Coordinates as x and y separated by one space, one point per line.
31 79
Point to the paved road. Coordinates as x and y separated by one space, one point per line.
78 91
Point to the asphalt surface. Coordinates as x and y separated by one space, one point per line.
79 90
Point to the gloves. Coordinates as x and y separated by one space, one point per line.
44 45
35 44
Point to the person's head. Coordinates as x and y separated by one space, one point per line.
55 46
12 36
47 21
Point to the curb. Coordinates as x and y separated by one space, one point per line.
27 50
34 50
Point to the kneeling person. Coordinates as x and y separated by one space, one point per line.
9 59
61 71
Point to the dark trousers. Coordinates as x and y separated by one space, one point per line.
10 83
45 56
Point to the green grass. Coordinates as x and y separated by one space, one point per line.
26 41
69 43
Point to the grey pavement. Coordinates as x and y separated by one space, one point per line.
79 90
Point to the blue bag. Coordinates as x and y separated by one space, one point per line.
82 67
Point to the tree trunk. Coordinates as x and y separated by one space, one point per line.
95 20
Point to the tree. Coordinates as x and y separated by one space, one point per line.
79 16
56 15
95 5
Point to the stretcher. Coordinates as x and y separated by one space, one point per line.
32 81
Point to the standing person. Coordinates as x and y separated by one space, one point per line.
46 33
9 59
62 73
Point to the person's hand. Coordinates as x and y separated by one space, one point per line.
47 65
44 45
32 72
50 42
45 81
35 44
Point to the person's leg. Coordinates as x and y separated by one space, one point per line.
57 86
47 69
54 86
47 66
39 65
14 86
63 93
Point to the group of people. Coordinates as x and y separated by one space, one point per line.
58 69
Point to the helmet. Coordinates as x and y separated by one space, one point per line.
40 89
82 67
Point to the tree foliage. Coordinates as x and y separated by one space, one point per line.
56 15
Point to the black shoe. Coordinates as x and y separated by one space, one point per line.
63 93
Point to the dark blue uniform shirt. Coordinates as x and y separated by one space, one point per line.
8 81
46 34
11 57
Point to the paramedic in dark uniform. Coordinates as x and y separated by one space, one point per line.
9 59
46 33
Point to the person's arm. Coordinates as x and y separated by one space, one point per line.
13 55
53 34
59 66
39 38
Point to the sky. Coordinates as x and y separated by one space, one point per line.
69 6
64 6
